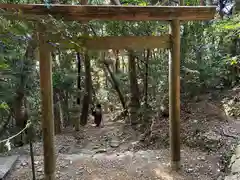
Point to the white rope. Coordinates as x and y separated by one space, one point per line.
11 137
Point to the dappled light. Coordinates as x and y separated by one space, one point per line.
163 174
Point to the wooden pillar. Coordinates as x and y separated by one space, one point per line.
47 106
174 94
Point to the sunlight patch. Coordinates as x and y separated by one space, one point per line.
161 173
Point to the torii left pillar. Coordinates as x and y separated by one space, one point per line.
47 105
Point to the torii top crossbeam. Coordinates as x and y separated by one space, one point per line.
109 12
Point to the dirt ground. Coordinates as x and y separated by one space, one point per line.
113 151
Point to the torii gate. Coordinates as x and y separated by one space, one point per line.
171 41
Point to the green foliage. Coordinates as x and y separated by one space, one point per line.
134 2
230 26
211 49
208 57
4 106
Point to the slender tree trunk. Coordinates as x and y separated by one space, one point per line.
56 99
221 2
123 65
184 43
116 85
146 80
66 110
78 57
57 112
202 2
87 99
77 106
20 110
20 115
117 62
134 90
145 119
88 90
4 123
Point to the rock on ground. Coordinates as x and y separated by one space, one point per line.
6 164
234 165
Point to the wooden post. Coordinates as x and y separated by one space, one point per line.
47 106
174 94
30 134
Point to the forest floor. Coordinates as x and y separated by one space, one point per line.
113 152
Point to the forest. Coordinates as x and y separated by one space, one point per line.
130 88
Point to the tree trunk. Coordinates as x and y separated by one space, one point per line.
65 105
116 86
77 118
184 44
56 98
78 57
20 110
88 81
88 90
4 123
145 120
57 112
202 3
234 46
146 80
20 114
117 62
134 90
123 65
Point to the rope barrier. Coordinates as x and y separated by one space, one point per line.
20 132
28 125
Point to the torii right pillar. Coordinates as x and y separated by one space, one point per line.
174 93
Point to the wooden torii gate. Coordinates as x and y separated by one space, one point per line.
171 41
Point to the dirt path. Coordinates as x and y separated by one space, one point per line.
149 165
112 152
107 154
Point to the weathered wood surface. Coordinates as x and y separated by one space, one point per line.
174 95
102 12
114 42
128 42
47 105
